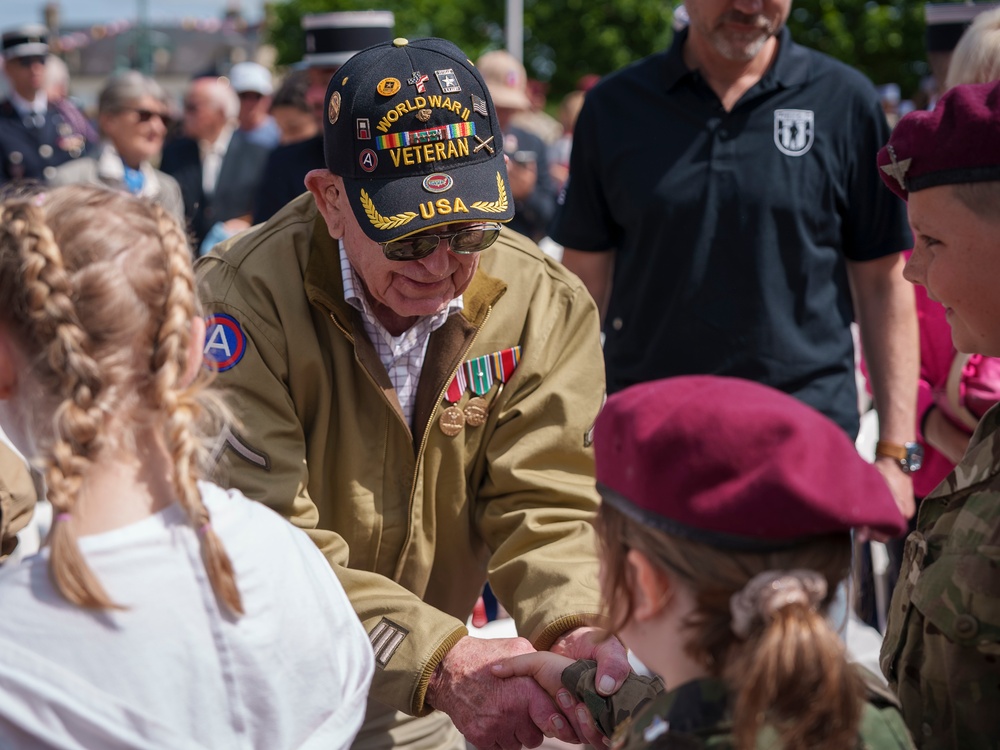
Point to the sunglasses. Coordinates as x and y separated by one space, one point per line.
464 242
145 115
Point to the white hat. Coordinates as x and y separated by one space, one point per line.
30 40
333 38
250 76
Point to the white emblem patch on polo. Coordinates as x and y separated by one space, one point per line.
794 131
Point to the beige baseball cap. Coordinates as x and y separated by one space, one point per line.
506 79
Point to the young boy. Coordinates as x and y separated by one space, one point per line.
943 639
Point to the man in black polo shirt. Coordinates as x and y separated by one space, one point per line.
731 184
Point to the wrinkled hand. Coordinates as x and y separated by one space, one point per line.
546 669
489 711
612 669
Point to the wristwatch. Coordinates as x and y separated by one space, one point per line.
909 455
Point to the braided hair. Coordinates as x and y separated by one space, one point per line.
101 302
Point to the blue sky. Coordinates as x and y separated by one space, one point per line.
74 12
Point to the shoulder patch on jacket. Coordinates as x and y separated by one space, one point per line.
225 342
386 637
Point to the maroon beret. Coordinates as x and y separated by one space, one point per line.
956 142
735 464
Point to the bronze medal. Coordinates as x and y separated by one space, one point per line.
476 411
452 421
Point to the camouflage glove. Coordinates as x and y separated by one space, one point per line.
609 711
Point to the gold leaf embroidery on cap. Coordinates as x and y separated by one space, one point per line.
333 110
497 206
384 222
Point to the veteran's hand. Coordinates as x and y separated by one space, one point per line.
612 670
489 711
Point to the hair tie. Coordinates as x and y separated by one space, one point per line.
39 199
204 528
63 516
767 592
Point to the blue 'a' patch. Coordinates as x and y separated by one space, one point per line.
225 342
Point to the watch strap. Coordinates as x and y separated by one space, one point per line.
886 449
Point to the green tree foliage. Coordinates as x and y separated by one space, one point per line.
565 39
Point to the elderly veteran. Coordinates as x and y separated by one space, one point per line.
417 388
943 637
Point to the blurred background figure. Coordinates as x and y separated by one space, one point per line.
57 89
569 110
253 85
535 119
132 112
331 40
35 137
889 95
217 166
291 110
528 166
946 22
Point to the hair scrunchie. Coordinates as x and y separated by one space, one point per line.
767 592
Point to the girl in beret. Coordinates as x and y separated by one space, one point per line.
724 533
165 612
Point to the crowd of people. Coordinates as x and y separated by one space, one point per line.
295 381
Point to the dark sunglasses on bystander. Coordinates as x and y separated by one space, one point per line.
28 60
464 242
145 115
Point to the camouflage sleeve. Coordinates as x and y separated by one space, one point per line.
882 726
610 711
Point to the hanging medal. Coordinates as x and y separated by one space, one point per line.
480 377
452 419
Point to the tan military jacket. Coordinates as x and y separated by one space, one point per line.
414 522
941 651
17 498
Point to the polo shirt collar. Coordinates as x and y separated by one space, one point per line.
789 68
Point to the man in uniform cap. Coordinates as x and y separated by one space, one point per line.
331 39
34 137
416 387
943 634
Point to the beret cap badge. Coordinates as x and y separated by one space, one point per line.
896 168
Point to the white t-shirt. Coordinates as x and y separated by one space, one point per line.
173 669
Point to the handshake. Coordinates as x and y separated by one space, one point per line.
502 693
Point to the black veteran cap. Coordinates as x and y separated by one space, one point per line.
31 40
411 128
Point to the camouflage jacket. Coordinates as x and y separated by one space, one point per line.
696 716
942 644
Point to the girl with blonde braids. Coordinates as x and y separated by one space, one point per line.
724 532
165 612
